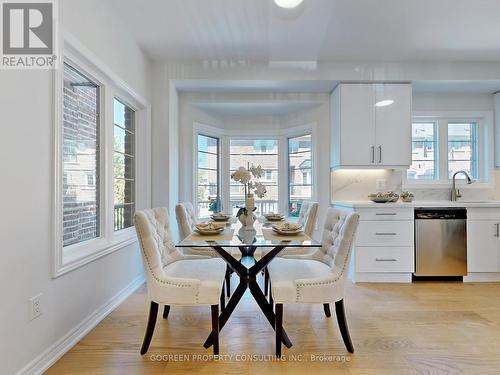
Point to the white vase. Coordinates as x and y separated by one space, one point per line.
247 235
249 202
247 220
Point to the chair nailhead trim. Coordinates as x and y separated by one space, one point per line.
151 269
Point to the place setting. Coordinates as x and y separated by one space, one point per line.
211 231
284 231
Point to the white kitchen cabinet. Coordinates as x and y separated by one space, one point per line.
393 125
366 135
483 246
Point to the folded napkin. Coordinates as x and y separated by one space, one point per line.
209 226
287 227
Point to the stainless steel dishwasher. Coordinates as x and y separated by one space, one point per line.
440 242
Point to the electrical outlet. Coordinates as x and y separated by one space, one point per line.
381 183
35 304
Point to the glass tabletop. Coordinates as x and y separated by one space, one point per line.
246 237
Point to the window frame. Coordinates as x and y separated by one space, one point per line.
311 172
68 258
97 80
257 136
484 121
281 135
119 98
195 177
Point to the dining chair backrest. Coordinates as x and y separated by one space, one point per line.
157 248
338 235
307 216
186 218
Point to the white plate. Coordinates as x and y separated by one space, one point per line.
220 218
274 218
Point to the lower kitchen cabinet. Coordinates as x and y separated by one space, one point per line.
383 247
384 259
483 246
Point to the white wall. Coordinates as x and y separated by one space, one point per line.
26 105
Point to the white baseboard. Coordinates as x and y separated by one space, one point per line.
47 358
482 277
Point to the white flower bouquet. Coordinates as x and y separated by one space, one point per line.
249 177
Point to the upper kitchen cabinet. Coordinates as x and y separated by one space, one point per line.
371 126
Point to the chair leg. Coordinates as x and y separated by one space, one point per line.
228 281
166 310
271 300
340 311
266 281
223 298
215 328
326 307
278 328
153 313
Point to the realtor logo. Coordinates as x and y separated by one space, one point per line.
28 35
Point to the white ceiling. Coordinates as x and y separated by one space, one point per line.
336 30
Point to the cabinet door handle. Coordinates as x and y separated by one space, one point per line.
385 214
497 230
380 154
385 233
385 260
373 154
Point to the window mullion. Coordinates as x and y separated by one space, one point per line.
443 149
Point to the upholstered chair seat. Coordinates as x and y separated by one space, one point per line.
317 277
174 278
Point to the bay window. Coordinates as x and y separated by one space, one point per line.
286 159
263 152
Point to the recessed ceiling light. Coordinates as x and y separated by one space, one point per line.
384 103
288 3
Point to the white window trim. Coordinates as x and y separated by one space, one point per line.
66 259
484 120
282 135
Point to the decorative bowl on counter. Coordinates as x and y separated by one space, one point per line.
386 197
407 196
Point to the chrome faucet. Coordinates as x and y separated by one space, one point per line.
455 193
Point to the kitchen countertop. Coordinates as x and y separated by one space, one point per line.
416 203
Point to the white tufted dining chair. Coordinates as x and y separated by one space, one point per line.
186 219
174 278
318 277
307 218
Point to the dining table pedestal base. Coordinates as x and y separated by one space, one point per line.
248 280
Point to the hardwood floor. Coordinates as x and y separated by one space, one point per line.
420 328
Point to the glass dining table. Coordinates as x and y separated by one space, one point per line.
247 241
